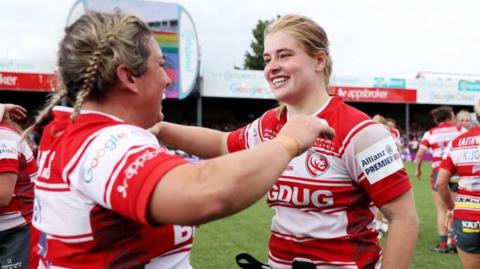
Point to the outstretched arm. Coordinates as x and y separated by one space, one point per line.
402 233
199 141
198 193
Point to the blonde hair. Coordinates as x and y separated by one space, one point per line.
308 33
89 54
380 119
311 37
463 112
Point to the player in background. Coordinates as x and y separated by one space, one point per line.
436 139
322 200
392 124
462 157
108 194
18 170
464 119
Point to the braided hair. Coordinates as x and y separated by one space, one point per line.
89 54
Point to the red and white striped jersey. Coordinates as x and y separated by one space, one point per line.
17 157
322 200
94 183
462 156
438 138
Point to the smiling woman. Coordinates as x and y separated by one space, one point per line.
330 187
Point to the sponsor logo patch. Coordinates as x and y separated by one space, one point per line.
316 163
107 147
135 166
8 149
380 160
471 226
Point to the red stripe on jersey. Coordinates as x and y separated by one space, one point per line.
317 263
44 188
260 129
388 188
351 135
180 250
90 140
365 253
306 180
70 236
114 171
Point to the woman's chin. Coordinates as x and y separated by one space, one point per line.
281 96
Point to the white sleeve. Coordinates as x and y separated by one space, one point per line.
372 155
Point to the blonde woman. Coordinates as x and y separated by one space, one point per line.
322 199
464 119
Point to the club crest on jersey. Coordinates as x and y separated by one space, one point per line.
316 163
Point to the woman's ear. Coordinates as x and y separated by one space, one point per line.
321 61
126 78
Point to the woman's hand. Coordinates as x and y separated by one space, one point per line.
15 112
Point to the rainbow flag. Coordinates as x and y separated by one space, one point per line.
167 41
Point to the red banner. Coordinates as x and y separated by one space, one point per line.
27 82
380 95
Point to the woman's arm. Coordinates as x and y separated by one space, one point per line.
7 187
199 141
198 193
443 179
402 233
418 161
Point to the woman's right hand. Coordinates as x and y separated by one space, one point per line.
306 129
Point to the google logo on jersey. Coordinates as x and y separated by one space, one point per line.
110 145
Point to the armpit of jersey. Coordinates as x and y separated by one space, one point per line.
376 154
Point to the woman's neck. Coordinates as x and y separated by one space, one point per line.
311 103
115 109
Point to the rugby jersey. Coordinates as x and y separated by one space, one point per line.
437 140
96 176
322 200
462 156
17 157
